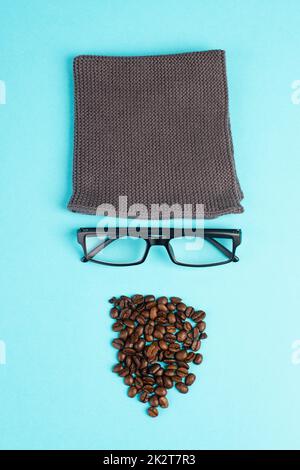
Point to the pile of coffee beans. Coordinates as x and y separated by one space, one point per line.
158 339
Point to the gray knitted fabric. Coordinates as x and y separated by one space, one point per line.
155 129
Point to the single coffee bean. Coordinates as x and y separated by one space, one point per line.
152 411
189 311
201 326
129 351
198 358
163 345
161 391
190 379
117 326
190 357
171 307
148 388
181 387
149 305
196 345
162 308
182 372
132 391
187 326
175 300
144 397
139 345
171 318
154 401
181 307
181 355
163 402
118 343
114 313
159 381
162 300
181 336
121 356
117 368
167 382
153 313
149 298
128 380
124 372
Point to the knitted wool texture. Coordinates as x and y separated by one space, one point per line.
155 129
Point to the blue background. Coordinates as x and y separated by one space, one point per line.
57 389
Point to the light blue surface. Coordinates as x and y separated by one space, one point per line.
56 389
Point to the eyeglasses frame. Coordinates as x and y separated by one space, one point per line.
155 236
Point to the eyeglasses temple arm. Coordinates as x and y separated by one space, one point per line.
222 248
96 250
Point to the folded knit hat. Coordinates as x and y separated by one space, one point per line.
155 129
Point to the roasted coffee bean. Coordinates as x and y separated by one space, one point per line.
167 382
190 379
190 357
170 373
123 335
181 387
154 401
117 326
161 391
124 372
152 411
129 323
196 332
117 368
159 381
187 326
121 356
144 397
181 336
171 318
114 313
181 307
171 329
163 345
139 345
198 359
149 338
189 311
141 320
158 334
171 307
196 345
148 388
182 372
128 380
118 343
132 391
163 402
149 305
153 313
181 355
175 300
129 351
156 342
162 300
162 308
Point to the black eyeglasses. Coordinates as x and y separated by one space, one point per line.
186 247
